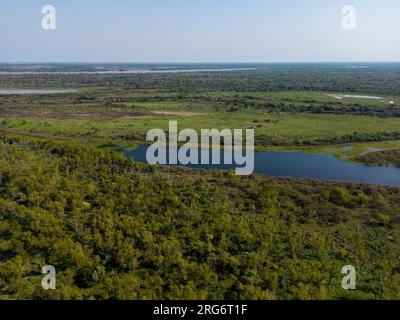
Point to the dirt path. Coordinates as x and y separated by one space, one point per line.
172 113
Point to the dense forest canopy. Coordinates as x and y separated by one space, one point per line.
119 230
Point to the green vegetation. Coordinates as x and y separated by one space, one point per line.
280 119
115 229
378 78
271 130
118 230
387 157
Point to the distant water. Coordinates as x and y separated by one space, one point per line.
303 165
31 91
9 69
105 72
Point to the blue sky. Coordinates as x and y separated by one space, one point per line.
199 31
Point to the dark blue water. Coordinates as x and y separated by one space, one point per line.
303 165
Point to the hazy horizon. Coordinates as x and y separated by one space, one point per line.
191 62
179 31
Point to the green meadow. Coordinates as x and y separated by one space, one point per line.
286 125
113 118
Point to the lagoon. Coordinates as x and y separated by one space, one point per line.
302 165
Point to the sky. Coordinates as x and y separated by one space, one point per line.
199 31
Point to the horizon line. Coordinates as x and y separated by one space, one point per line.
196 62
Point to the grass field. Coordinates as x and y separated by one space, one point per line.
125 116
286 125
